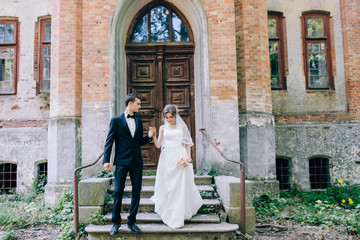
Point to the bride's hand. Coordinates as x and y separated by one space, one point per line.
152 132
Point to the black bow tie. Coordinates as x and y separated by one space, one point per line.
131 116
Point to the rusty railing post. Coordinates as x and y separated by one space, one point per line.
76 197
242 182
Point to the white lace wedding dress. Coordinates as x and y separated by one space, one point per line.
176 196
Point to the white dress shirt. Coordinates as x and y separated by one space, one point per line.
131 124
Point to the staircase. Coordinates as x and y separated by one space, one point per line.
204 225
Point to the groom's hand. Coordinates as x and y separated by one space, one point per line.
107 167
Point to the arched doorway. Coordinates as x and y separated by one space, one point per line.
160 67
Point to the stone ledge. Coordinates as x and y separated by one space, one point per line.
92 191
155 218
228 188
235 217
162 228
86 212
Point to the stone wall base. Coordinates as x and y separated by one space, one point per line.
54 192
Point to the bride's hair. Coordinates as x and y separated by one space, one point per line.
170 109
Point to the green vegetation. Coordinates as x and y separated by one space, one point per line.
19 212
45 96
149 173
206 194
97 218
9 235
338 207
104 174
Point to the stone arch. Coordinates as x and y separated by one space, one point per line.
195 14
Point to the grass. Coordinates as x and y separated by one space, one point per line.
338 207
18 212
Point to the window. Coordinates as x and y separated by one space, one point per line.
42 174
160 24
45 54
42 169
276 50
283 173
319 173
8 56
7 178
316 42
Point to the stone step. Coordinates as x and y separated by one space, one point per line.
146 205
158 231
150 180
206 191
155 218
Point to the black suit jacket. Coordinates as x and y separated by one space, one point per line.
126 146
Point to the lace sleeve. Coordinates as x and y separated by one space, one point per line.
187 140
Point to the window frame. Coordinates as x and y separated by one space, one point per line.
326 39
12 182
146 10
324 164
281 168
278 16
14 45
43 44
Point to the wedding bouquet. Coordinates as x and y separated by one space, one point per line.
183 161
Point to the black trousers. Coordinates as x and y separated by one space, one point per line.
135 172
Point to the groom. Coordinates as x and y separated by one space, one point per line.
127 132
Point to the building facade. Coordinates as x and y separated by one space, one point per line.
274 85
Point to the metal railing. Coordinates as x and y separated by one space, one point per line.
76 197
202 130
242 181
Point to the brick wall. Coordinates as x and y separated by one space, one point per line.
66 58
222 49
351 34
23 123
97 16
253 66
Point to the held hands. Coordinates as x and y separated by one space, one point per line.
107 167
152 132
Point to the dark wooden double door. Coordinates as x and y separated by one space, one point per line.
160 75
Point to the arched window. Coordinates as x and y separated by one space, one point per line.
8 174
159 24
319 173
283 173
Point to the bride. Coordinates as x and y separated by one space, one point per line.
176 196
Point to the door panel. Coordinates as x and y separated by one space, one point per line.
159 78
142 81
179 88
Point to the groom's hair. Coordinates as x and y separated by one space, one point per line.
131 98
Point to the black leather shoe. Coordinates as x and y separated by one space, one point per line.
134 228
115 229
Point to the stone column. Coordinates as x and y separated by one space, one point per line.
64 129
257 136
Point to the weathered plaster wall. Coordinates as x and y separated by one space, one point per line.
26 104
338 142
95 125
23 117
296 99
24 147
